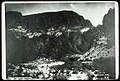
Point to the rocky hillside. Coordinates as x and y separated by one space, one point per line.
51 34
103 50
55 34
104 35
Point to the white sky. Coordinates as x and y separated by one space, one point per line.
91 11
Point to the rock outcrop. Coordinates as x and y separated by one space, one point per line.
51 34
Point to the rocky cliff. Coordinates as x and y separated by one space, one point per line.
50 34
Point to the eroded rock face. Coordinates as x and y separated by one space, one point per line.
109 26
56 20
59 34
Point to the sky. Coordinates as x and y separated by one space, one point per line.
92 11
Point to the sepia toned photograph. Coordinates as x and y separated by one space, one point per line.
60 40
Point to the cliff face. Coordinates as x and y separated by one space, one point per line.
47 20
103 48
109 26
51 34
56 19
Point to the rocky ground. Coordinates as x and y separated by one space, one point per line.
49 69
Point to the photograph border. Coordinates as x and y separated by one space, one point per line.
4 34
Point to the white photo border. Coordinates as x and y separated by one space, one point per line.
15 2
